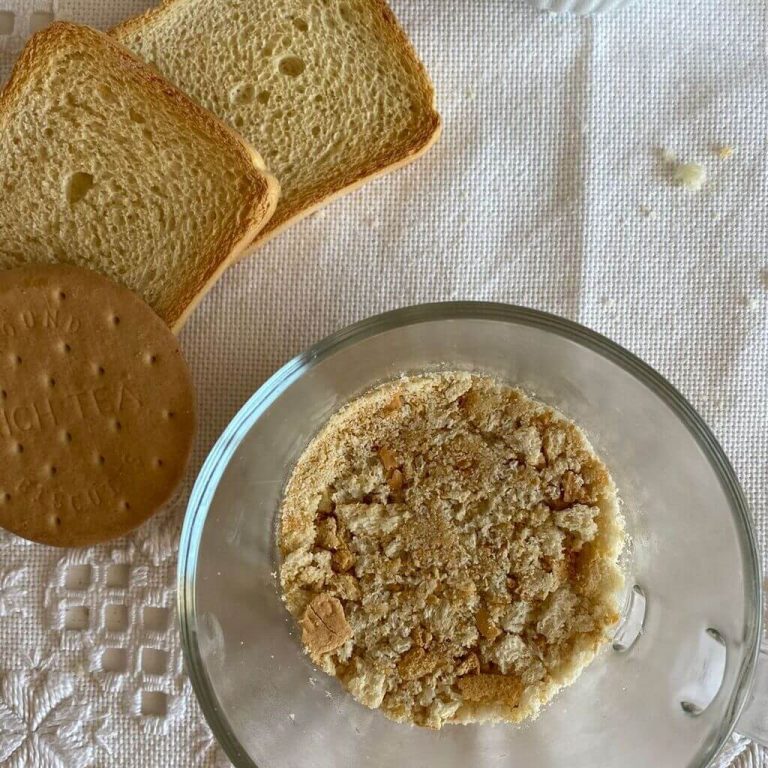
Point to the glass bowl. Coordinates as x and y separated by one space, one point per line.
669 692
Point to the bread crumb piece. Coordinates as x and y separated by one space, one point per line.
449 548
368 686
689 175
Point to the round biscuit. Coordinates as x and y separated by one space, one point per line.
97 408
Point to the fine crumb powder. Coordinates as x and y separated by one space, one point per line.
450 550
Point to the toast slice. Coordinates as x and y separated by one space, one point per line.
105 165
330 91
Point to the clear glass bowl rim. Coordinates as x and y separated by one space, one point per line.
216 463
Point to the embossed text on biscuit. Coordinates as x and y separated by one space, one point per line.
44 412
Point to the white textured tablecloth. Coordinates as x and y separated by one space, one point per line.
546 190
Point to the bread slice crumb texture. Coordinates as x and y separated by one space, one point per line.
450 549
329 91
105 165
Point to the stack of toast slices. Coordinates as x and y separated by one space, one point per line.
162 152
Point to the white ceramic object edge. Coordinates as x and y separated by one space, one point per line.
579 7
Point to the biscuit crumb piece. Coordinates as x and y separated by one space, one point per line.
490 689
387 458
417 663
486 626
324 626
396 481
395 404
342 559
449 548
689 175
723 151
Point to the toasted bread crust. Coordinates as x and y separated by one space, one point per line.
396 156
263 189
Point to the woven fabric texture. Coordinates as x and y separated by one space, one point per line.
550 188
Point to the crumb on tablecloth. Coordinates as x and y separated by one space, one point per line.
692 176
723 151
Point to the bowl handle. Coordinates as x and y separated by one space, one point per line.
753 722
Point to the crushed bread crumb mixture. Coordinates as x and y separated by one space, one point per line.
450 550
